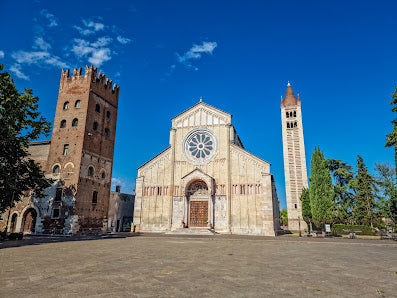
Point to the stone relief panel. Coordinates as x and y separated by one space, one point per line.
220 213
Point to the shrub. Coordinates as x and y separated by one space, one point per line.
365 230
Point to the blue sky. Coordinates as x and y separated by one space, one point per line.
238 55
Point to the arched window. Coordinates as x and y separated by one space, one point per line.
75 122
294 113
287 113
66 105
103 175
97 108
56 169
65 149
94 197
108 114
95 126
77 104
295 124
287 124
90 171
107 132
63 124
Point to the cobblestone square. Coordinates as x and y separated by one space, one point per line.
192 266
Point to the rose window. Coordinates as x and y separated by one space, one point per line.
200 145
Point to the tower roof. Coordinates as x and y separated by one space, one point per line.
289 99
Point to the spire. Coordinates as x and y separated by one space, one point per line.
289 99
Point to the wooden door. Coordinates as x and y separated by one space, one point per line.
198 213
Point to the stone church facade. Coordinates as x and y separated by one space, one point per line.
206 180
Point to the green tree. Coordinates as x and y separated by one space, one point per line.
344 197
321 190
306 210
391 138
364 198
20 123
387 194
284 217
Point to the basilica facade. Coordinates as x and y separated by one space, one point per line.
206 180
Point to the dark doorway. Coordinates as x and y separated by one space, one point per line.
29 221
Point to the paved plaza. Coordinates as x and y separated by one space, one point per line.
197 266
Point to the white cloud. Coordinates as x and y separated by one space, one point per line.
52 21
41 58
1 54
123 40
97 52
90 27
16 69
195 52
41 44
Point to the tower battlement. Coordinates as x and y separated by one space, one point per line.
98 81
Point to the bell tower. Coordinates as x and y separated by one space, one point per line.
294 158
81 152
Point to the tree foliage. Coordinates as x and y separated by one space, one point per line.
305 198
391 138
321 190
387 190
343 180
365 198
20 123
284 217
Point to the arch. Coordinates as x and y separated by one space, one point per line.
196 188
63 124
29 220
66 105
77 104
13 222
90 171
75 122
56 169
69 164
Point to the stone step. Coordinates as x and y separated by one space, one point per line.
193 231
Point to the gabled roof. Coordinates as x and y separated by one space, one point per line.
205 105
154 157
198 170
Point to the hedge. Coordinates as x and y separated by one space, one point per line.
365 230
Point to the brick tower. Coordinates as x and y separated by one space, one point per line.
294 158
81 151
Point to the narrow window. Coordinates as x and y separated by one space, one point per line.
75 122
63 124
66 105
95 126
287 114
65 149
94 197
97 108
56 169
103 175
287 124
58 194
106 131
295 125
77 104
55 213
90 171
108 114
294 113
296 206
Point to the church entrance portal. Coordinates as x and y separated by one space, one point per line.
29 221
198 198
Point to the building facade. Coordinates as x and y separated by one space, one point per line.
79 158
294 158
205 179
121 211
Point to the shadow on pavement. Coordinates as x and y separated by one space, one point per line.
45 239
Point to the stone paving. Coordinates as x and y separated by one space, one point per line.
153 265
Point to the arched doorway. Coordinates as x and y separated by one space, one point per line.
29 221
198 198
13 223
